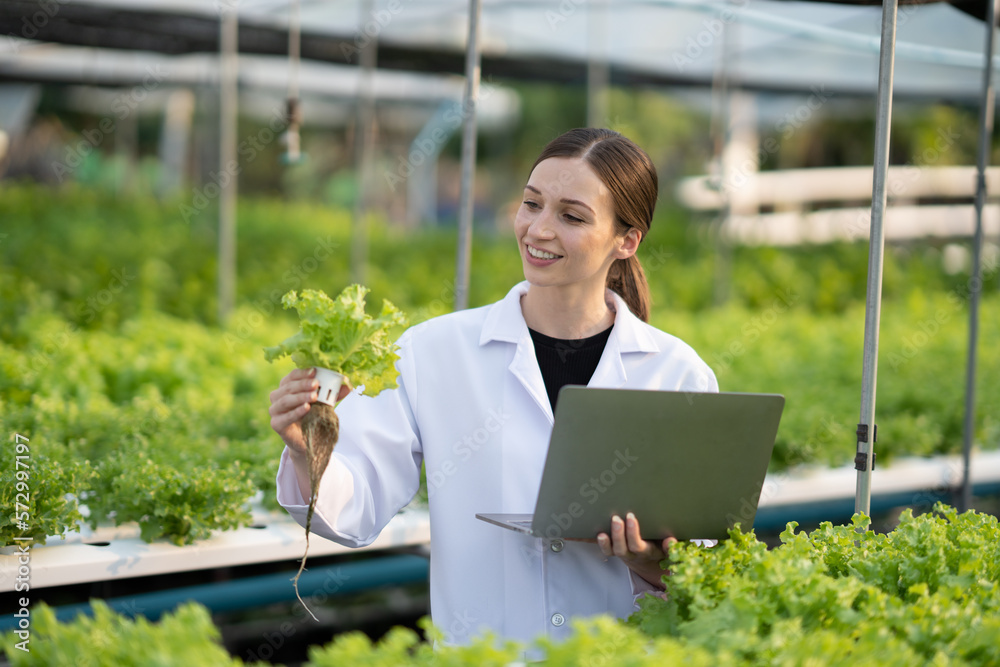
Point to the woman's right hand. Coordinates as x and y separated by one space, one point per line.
291 401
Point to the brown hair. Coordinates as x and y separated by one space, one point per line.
631 177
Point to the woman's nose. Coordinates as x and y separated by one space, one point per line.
542 227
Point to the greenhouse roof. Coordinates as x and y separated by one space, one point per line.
766 45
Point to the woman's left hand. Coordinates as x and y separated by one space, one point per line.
641 556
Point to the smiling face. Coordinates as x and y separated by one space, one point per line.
566 229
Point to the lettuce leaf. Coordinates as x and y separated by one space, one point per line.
338 334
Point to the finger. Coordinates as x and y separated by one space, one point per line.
604 542
283 401
619 544
294 387
634 540
281 420
345 389
665 546
298 374
287 424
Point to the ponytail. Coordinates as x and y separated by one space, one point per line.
627 279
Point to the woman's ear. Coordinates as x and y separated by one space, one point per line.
629 243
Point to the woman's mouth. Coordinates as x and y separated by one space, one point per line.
541 254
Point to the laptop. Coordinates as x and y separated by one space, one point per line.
687 464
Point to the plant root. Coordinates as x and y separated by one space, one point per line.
320 430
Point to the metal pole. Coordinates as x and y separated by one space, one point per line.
228 117
465 205
364 126
721 132
986 111
294 49
293 109
598 67
876 248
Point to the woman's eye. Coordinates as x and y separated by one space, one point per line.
573 218
530 204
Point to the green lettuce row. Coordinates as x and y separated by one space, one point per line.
928 593
193 398
163 422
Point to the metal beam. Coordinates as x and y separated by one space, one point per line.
986 111
228 118
876 250
364 145
467 193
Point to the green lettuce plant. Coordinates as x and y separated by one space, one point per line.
338 334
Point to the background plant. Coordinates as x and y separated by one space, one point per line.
119 383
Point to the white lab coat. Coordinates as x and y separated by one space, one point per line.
472 405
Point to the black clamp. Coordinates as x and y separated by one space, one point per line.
861 459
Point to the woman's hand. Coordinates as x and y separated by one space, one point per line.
641 556
291 401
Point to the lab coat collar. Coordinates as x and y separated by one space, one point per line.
505 323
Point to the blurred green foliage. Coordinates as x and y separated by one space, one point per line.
112 356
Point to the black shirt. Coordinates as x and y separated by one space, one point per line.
565 362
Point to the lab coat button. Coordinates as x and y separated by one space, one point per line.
557 545
558 619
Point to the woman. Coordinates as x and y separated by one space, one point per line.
475 404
